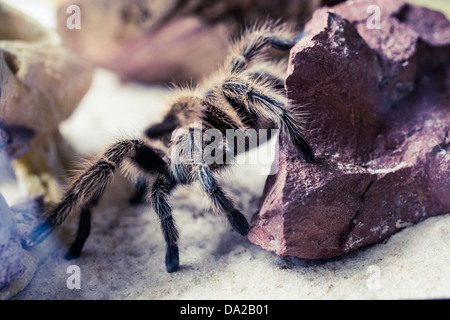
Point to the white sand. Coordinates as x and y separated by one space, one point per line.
124 256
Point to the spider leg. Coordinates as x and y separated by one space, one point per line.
255 42
220 200
84 193
84 229
162 129
258 98
190 169
161 190
87 190
261 96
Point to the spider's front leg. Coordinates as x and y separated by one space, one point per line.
187 166
256 90
161 190
220 200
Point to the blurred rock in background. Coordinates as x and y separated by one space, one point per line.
167 40
11 254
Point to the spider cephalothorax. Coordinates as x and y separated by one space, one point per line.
247 93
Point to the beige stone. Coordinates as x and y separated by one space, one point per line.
41 84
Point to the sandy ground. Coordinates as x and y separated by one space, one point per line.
124 256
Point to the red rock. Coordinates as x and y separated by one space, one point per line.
379 119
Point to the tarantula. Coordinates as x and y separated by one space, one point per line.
247 93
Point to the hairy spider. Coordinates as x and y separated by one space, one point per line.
247 93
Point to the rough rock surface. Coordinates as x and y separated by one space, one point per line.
11 254
379 118
18 266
